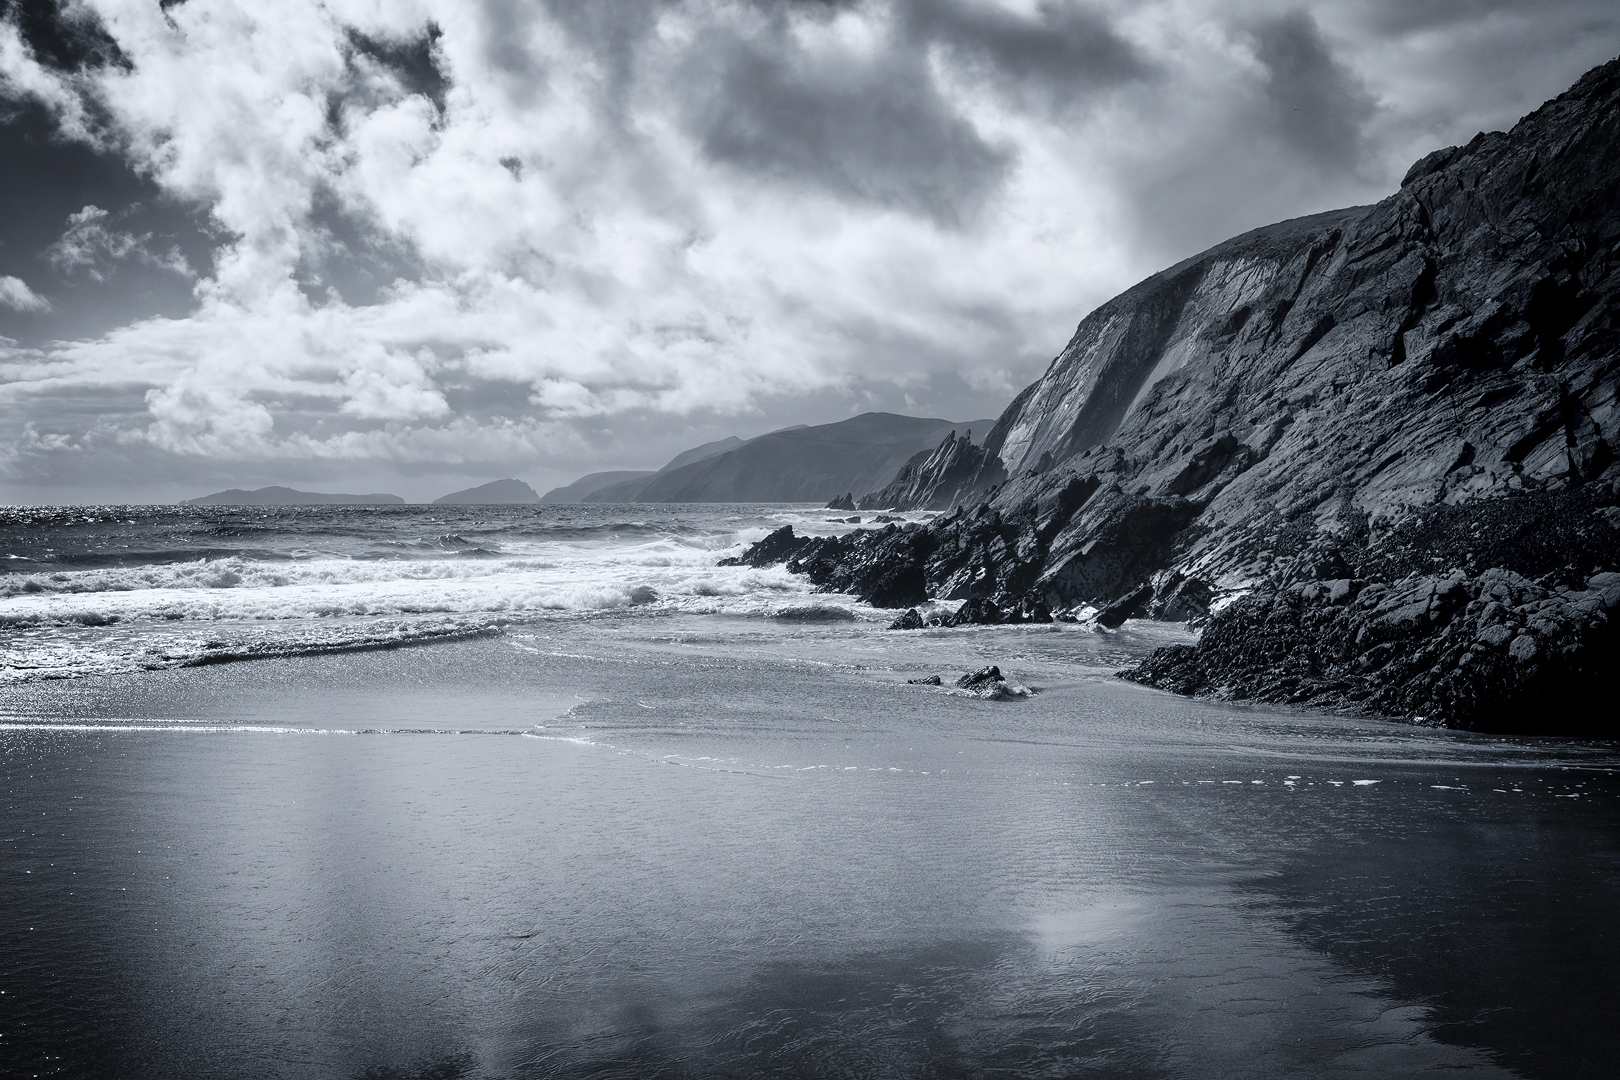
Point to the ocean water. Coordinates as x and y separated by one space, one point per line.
98 590
602 808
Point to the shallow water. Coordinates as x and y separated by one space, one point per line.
678 844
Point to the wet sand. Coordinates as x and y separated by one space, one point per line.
700 849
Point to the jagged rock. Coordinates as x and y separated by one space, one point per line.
1126 607
956 471
779 546
1492 652
931 680
911 620
978 680
843 502
1429 383
978 611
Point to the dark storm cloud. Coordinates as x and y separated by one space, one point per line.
1408 16
1055 57
872 129
411 61
876 127
62 36
1318 107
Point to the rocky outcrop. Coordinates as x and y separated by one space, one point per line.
1492 652
845 501
954 472
1424 385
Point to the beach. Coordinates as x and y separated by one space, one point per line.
727 845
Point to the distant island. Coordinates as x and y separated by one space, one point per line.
286 496
507 492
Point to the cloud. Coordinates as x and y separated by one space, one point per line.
1318 107
1054 57
90 248
871 128
551 237
16 295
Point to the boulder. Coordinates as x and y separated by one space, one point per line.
980 680
911 620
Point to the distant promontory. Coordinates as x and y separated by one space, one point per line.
495 493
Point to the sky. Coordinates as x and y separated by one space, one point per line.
416 245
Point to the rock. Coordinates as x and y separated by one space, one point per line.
779 546
979 611
1127 606
843 502
931 680
979 680
1511 655
911 620
954 472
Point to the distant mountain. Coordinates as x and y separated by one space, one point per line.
633 485
496 492
591 483
286 496
807 464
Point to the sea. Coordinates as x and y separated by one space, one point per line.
475 793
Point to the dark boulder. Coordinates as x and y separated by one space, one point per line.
980 680
1125 607
911 620
928 680
980 611
844 502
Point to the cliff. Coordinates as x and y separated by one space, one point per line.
953 472
1363 397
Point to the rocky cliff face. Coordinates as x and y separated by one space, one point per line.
1283 408
954 472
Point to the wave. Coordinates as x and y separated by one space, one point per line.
103 593
56 658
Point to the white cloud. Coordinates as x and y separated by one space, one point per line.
16 295
90 248
709 208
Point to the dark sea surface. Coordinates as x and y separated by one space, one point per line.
608 809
